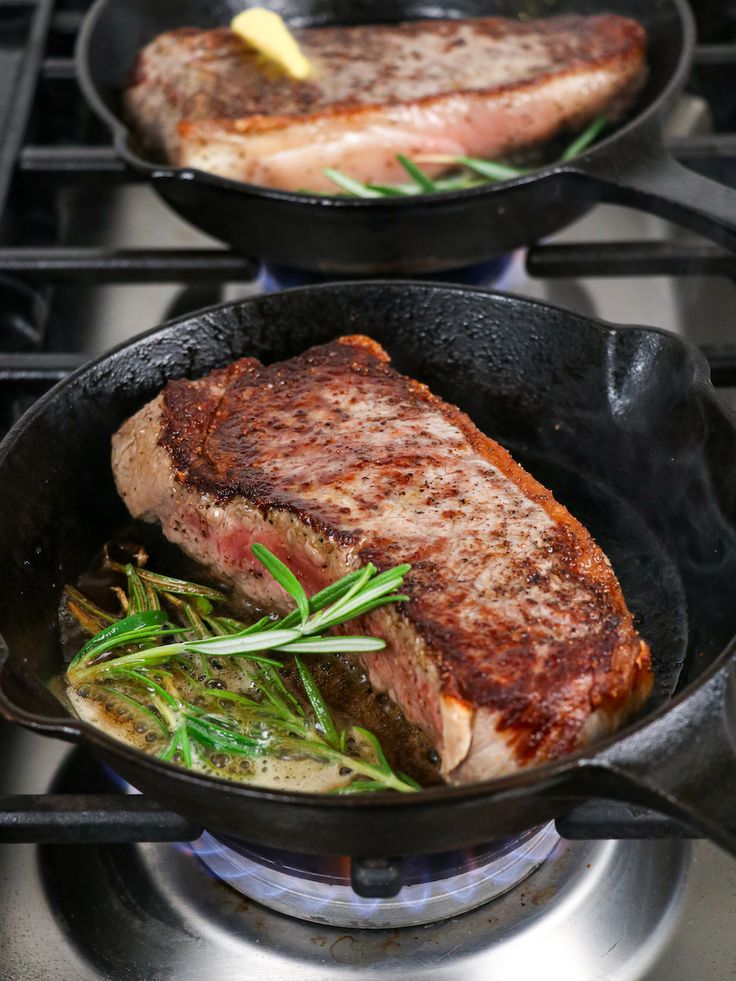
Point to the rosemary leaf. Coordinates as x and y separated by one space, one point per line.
244 643
185 746
360 583
321 711
263 624
458 183
138 706
382 762
370 594
224 694
152 600
394 190
588 136
148 683
360 611
322 599
194 621
157 655
218 737
422 180
356 188
333 645
137 596
360 787
283 576
122 598
491 169
118 633
409 780
276 691
218 627
168 754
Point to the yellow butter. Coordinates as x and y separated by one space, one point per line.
265 31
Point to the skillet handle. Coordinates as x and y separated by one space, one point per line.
683 764
643 174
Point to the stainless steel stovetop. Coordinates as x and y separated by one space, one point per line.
657 910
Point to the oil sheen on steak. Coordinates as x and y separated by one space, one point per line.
517 645
486 87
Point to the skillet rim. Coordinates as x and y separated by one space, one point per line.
550 773
121 135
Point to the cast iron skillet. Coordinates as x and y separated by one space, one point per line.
425 233
621 422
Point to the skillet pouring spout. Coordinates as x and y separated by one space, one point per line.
621 423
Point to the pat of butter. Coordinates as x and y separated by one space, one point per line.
265 31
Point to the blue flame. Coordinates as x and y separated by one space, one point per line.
479 875
318 888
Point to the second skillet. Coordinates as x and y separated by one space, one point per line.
621 423
427 232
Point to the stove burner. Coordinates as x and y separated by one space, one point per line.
318 889
273 278
608 910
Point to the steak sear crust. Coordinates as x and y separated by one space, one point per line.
516 646
486 87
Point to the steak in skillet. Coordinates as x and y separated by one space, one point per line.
486 87
517 645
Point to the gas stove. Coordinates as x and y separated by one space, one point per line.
97 883
590 910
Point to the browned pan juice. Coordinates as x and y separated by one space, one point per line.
341 679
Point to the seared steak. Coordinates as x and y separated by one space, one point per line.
517 645
486 87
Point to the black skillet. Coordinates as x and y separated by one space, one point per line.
425 233
621 422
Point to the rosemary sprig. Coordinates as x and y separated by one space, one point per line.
488 170
362 593
162 682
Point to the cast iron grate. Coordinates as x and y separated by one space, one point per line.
115 817
102 819
50 143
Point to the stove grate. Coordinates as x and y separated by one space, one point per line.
117 817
